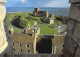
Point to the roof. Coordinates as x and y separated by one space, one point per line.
58 39
22 38
3 1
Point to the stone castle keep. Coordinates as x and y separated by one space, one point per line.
44 14
71 47
39 13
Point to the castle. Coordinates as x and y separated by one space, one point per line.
28 42
44 14
25 43
72 40
39 13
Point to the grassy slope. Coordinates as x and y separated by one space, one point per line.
23 15
9 17
45 29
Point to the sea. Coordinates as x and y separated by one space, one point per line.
51 10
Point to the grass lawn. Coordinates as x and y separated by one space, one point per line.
45 29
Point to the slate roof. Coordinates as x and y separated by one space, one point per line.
22 38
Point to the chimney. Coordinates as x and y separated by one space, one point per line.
33 34
11 31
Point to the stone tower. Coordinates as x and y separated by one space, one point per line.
5 46
46 13
37 10
72 40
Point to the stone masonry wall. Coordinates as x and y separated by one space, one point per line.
5 46
72 40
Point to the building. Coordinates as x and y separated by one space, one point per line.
25 43
39 13
57 43
50 20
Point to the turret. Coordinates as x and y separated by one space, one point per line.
51 15
46 13
37 10
11 31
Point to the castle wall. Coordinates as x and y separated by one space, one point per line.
37 55
72 40
37 10
5 46
20 48
57 43
46 14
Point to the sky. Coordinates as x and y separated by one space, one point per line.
37 3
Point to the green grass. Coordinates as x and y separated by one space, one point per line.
45 29
26 18
53 26
58 22
17 30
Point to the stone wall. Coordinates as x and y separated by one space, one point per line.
36 55
72 40
5 46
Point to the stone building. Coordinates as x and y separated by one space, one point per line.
11 31
57 43
25 43
39 13
50 20
72 40
47 44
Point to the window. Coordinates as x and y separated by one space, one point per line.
13 49
28 51
13 44
21 50
27 45
20 45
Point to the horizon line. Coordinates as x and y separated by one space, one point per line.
52 7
